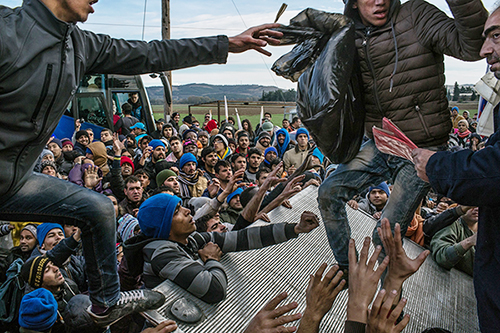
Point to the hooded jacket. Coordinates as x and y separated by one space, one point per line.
42 61
402 64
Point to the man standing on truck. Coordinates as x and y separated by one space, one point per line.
401 50
44 56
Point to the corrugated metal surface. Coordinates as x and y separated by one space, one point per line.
436 298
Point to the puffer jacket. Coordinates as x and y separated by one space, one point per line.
42 61
402 64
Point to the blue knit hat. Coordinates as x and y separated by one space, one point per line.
382 186
155 143
302 130
57 141
38 310
268 149
235 193
187 157
156 213
43 229
319 155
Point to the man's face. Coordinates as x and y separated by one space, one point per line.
254 161
378 197
52 277
134 98
228 134
491 45
189 168
281 139
176 118
126 169
72 11
67 147
172 182
143 144
115 203
472 215
144 179
204 140
271 156
133 191
54 148
219 145
267 116
182 222
302 140
106 136
91 134
158 153
176 146
240 163
168 132
193 149
265 141
297 123
285 123
27 241
214 225
53 238
211 159
159 126
243 142
224 173
262 178
454 112
373 12
137 131
235 202
69 229
462 127
191 136
49 170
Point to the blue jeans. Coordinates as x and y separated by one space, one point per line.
370 167
47 199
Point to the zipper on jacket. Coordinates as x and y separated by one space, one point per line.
372 70
43 95
421 116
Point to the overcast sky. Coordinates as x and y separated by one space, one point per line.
194 18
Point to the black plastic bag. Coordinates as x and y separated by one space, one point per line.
329 99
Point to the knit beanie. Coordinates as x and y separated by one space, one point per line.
163 175
269 149
211 125
32 271
66 141
155 143
44 153
126 159
382 186
267 126
57 141
156 213
126 226
232 195
302 130
188 119
223 138
264 134
38 310
31 228
44 228
187 157
185 133
81 133
203 133
319 155
48 163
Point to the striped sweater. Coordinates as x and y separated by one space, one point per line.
165 259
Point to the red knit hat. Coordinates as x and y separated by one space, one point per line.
211 125
126 159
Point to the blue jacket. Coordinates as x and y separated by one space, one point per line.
473 179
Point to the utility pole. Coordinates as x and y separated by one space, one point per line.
165 34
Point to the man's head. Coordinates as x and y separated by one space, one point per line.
285 123
27 240
82 137
38 311
187 120
378 195
463 126
454 111
268 116
55 147
228 132
143 177
209 157
159 124
264 139
203 138
270 154
71 11
106 135
126 109
67 145
49 235
209 223
175 144
223 171
168 178
233 200
188 164
296 122
220 144
133 189
372 12
472 216
302 137
238 161
40 272
262 175
254 158
90 132
127 166
49 168
134 97
243 140
491 46
190 146
138 128
167 131
158 150
268 127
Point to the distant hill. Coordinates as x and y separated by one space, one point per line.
200 92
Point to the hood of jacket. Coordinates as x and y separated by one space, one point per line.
132 250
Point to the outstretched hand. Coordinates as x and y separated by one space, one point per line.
308 222
382 317
163 327
271 319
255 38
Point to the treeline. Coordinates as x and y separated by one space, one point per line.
462 93
279 95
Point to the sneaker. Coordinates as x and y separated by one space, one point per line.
130 302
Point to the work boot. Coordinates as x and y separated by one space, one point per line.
130 302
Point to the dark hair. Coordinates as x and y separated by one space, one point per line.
126 108
235 156
107 130
247 195
140 172
161 189
275 161
206 151
202 223
294 119
175 138
134 179
254 150
250 129
261 171
145 137
231 140
267 113
231 118
221 164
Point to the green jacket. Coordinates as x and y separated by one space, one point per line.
230 215
447 251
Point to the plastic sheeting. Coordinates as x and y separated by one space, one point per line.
329 99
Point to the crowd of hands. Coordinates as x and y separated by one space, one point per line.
386 307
